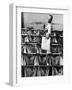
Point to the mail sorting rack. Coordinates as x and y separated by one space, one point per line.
34 60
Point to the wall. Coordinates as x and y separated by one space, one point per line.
4 42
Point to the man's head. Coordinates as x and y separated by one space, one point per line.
50 18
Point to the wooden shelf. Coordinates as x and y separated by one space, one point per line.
27 43
52 44
42 54
42 65
42 30
39 35
33 29
33 35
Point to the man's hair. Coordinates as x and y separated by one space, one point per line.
50 20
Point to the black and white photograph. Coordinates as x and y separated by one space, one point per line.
41 44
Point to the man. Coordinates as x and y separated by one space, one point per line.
46 40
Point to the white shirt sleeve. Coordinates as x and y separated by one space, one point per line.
48 27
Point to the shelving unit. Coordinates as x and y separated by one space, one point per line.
26 45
